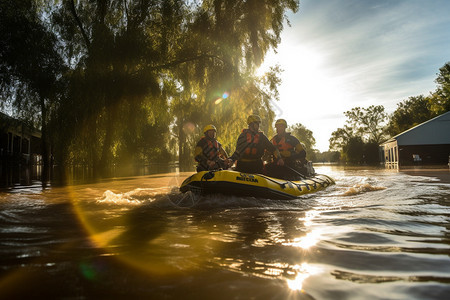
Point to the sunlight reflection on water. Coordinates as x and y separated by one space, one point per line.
307 241
374 231
303 272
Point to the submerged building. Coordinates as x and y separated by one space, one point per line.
18 142
425 144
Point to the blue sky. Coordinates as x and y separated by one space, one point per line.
339 54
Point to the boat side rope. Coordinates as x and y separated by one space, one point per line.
282 184
304 177
322 182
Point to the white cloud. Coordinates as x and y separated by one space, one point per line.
341 54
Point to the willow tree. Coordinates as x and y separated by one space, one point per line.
132 63
231 39
118 51
30 65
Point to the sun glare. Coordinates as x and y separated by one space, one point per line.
303 272
310 91
304 74
312 237
309 216
307 241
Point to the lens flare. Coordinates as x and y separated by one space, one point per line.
188 127
112 221
220 99
88 271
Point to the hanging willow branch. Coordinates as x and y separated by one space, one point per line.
184 60
80 25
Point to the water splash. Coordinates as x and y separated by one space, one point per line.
361 188
135 197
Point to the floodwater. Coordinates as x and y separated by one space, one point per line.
376 234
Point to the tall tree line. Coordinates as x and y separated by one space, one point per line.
366 128
126 82
418 109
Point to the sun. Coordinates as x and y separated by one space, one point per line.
310 90
307 75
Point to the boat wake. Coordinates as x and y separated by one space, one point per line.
135 197
361 188
170 197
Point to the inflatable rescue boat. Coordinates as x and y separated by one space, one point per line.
256 185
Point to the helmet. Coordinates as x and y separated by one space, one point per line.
281 121
209 127
253 118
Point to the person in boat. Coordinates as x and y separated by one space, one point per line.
209 153
250 147
293 153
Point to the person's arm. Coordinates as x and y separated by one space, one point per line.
241 145
199 156
269 146
299 152
222 152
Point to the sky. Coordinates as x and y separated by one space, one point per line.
340 54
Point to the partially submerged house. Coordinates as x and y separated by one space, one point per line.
18 142
427 144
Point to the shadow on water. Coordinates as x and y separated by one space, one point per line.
235 237
14 175
166 241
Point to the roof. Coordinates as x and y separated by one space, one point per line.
432 132
10 124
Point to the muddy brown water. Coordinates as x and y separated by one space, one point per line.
376 234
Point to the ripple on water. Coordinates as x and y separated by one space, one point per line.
374 235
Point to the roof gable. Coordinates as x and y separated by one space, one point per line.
432 132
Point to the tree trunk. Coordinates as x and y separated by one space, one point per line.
181 142
105 159
45 145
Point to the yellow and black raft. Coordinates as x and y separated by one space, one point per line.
256 185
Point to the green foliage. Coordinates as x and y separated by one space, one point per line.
306 137
418 109
359 138
353 151
440 99
371 153
369 123
327 156
130 82
31 67
409 113
340 137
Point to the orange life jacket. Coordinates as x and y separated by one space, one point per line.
210 148
253 141
284 144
